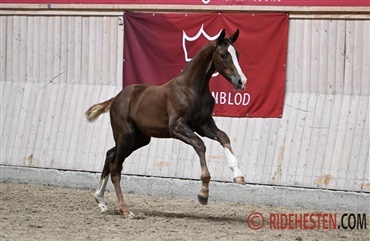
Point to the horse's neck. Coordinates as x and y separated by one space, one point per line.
200 71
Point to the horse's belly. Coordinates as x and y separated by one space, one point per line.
153 128
152 121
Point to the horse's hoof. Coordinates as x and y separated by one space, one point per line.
239 180
130 215
126 213
103 208
202 200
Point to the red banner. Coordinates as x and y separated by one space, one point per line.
158 46
208 2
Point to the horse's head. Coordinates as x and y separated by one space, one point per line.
225 60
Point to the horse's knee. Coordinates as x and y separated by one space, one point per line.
223 138
199 146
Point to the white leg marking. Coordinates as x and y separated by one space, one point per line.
99 194
233 163
232 51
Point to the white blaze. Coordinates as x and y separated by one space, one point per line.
232 51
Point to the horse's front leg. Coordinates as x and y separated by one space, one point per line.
180 130
211 131
233 162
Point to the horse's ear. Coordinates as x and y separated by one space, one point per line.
221 37
235 36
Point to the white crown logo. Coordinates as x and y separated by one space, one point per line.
185 38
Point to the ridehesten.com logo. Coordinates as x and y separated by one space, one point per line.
306 221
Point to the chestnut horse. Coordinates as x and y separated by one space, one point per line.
178 109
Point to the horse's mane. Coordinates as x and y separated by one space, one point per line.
199 52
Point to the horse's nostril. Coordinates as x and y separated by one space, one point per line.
240 82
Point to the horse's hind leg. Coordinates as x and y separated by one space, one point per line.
129 144
124 143
140 141
99 194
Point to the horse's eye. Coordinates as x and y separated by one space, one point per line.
223 56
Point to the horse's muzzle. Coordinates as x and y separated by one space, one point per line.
239 84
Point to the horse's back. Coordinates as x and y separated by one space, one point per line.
130 93
145 106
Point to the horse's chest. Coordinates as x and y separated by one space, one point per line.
200 110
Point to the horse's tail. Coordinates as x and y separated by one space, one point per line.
96 110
